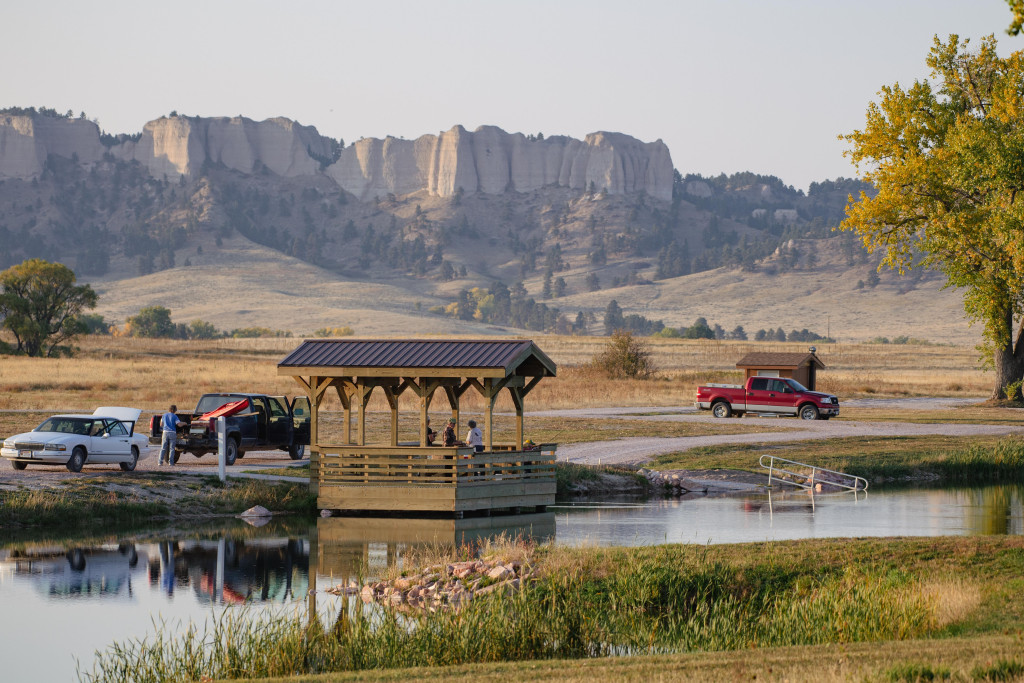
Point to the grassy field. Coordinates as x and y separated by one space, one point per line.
151 374
868 609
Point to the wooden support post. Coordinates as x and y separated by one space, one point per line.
389 394
517 401
314 438
363 393
489 396
342 389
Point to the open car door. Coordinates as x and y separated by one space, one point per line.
301 415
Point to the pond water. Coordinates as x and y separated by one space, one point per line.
63 599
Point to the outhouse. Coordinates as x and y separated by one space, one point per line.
803 367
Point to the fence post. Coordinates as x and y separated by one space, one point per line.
222 447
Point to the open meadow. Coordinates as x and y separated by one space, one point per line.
152 373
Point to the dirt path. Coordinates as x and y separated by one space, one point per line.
640 450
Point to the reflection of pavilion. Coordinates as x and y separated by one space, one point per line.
348 547
418 476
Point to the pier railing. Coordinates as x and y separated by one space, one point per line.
809 476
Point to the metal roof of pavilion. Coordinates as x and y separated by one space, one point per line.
778 360
498 358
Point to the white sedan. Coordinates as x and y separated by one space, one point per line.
76 440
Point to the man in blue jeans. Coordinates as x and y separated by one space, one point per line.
169 423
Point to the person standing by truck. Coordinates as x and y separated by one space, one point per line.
169 423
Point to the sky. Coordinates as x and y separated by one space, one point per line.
729 85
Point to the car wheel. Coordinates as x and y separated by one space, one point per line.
18 465
721 409
808 412
77 459
231 452
130 465
297 451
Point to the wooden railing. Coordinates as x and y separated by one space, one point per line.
432 466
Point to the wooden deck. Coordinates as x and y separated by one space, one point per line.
434 479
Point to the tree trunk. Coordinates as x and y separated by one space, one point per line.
1009 361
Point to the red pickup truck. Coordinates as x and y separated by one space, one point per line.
767 395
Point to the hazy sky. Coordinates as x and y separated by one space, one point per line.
728 85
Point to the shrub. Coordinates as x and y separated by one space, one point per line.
625 357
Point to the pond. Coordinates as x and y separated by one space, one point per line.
66 598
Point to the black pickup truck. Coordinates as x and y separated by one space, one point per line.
263 423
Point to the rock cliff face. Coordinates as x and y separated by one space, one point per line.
179 145
492 161
487 160
26 141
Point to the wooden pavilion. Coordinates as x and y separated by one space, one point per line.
416 477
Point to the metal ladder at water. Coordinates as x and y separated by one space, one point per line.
807 481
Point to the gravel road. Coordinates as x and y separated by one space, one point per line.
637 451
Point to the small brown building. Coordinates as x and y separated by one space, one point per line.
803 367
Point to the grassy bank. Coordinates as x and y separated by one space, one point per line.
594 603
935 459
96 501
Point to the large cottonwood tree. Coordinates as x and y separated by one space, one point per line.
947 158
40 304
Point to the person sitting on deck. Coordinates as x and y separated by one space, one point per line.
448 435
431 434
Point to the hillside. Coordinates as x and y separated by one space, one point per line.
268 224
266 289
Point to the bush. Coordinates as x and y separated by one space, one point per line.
625 357
345 331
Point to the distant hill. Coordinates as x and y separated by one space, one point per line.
269 224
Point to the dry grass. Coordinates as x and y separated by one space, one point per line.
150 374
952 600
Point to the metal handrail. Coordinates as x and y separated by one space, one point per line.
858 483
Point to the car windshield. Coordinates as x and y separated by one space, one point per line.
796 385
208 404
66 425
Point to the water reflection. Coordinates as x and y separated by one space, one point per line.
88 593
796 515
352 547
227 570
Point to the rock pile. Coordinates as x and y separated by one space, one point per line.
444 586
672 482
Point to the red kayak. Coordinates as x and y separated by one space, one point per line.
225 410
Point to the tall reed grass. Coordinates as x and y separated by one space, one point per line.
646 605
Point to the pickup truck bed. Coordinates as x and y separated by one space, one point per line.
255 422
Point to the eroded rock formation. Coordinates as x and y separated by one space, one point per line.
487 160
492 161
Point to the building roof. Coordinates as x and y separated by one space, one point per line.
778 360
415 357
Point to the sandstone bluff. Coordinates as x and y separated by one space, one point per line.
487 160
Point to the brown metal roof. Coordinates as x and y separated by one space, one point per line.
761 359
416 354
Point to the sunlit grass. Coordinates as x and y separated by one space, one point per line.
597 602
